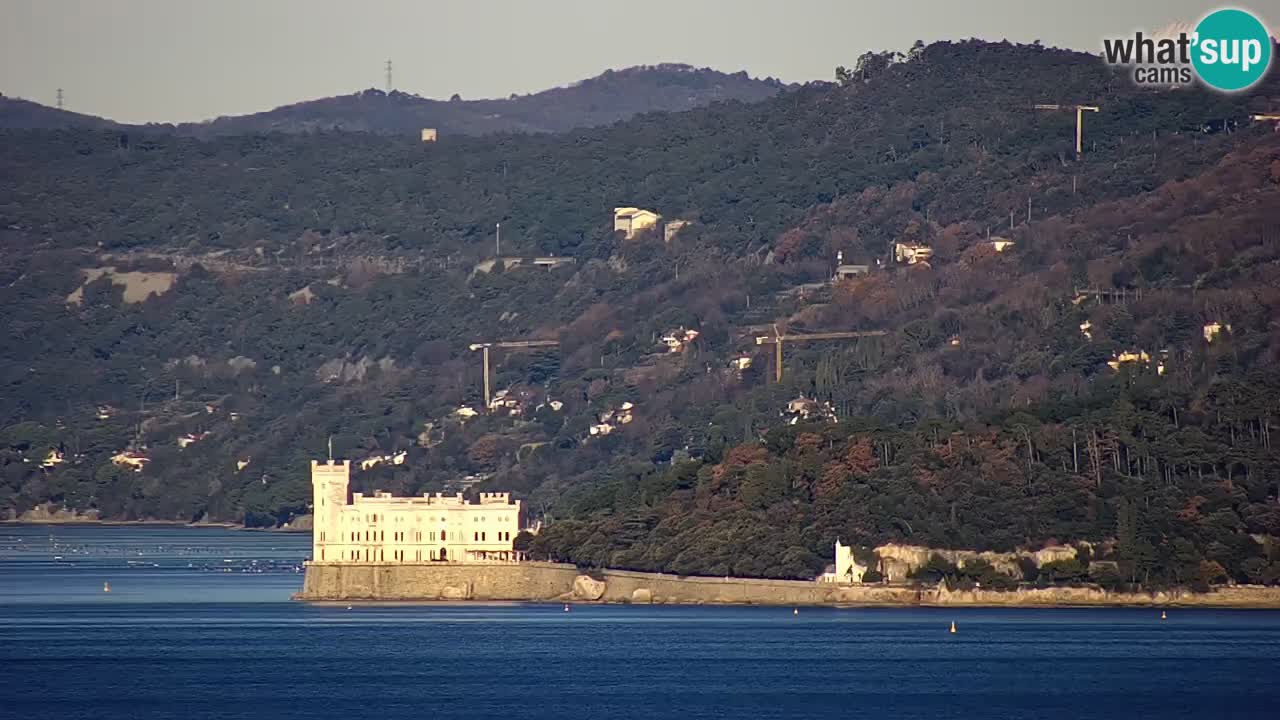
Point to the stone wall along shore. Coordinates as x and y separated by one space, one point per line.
553 582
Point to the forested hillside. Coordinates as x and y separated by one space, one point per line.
1090 354
16 113
607 98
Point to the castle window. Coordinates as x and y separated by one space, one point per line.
442 535
482 537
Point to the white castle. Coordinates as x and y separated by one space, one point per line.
387 529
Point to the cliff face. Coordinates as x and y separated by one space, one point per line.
552 582
897 562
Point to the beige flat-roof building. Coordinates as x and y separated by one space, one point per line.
631 221
383 528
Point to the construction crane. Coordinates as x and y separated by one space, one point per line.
505 344
779 338
1080 111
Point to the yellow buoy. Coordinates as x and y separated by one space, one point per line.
106 587
953 627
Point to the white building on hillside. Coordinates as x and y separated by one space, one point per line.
631 220
387 529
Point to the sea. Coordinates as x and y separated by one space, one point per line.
198 623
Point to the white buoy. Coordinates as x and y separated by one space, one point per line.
795 611
566 607
106 587
953 627
1163 616
348 607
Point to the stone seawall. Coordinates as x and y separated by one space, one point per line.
552 582
436 581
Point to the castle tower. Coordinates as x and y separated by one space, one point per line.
329 482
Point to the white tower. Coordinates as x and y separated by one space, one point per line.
329 482
847 568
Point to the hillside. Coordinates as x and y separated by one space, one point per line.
315 285
16 113
607 98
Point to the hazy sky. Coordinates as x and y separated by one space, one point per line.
176 60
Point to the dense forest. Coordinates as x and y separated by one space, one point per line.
1089 355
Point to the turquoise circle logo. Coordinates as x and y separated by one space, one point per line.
1232 50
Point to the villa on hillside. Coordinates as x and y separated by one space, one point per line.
848 272
1000 244
1213 329
133 460
912 254
631 221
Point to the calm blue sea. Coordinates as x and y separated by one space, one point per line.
198 624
